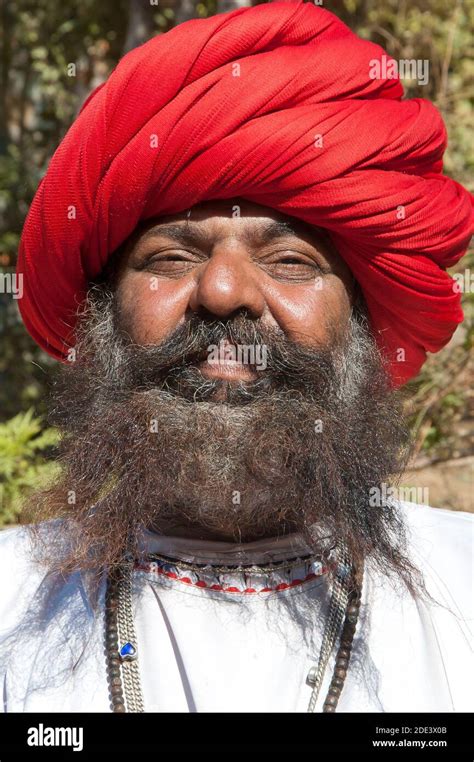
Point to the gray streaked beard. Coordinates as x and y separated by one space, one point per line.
145 443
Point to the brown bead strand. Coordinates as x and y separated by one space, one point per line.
117 700
344 651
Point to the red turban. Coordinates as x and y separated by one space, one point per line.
276 104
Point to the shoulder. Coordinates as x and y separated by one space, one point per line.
436 529
14 553
21 576
441 543
41 613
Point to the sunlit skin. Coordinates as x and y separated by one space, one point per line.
223 256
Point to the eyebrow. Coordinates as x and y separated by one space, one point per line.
191 232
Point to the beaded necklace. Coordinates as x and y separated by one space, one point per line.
123 674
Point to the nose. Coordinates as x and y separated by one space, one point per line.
227 283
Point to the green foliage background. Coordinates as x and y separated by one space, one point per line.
39 99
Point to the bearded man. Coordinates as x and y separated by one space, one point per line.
239 251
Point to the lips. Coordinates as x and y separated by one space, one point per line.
225 365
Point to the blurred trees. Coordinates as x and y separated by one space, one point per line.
23 466
40 93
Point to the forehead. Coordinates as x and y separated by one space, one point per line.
230 216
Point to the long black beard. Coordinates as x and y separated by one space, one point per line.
145 443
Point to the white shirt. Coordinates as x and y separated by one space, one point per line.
203 649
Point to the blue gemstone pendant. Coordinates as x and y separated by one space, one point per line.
128 652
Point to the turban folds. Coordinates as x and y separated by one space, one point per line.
276 104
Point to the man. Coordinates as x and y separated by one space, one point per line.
239 251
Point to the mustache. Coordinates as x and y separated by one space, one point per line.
280 361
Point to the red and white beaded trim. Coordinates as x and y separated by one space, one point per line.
193 580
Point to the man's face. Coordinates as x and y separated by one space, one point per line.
223 257
158 433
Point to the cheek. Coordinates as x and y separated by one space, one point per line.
151 308
313 313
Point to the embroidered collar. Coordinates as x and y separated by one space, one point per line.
239 581
262 566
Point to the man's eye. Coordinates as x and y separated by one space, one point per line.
171 261
171 258
174 256
290 267
293 261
